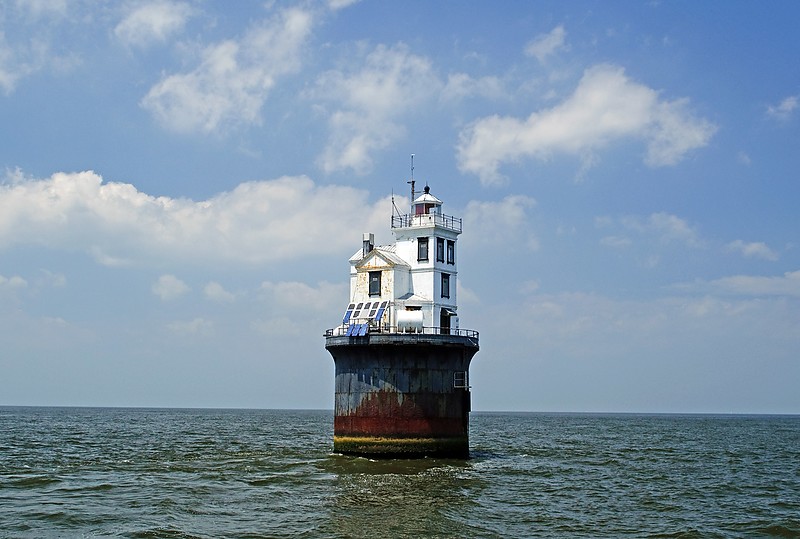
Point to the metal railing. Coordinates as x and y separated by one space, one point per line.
426 219
394 330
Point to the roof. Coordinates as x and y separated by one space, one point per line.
414 298
427 198
386 252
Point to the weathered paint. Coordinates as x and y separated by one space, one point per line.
396 394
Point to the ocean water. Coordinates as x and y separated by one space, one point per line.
149 473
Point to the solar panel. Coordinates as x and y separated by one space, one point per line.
347 316
381 310
351 329
362 330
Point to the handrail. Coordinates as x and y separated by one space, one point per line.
408 220
393 330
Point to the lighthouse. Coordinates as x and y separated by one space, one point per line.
401 360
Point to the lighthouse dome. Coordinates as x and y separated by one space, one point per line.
426 203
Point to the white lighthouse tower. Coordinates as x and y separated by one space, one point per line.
410 286
401 360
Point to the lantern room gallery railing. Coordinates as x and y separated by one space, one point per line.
426 219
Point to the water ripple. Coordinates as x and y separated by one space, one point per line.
250 473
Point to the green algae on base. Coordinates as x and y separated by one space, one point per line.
391 447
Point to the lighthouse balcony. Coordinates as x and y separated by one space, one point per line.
364 329
427 220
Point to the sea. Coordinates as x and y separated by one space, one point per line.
202 473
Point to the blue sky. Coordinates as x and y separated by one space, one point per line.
182 183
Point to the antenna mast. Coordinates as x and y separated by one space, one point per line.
412 179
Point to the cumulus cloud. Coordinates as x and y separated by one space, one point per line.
43 8
461 86
501 222
169 287
753 250
662 227
255 223
196 326
605 107
297 297
215 292
617 242
14 65
665 226
787 284
783 110
152 22
545 45
233 79
335 5
13 282
389 83
295 305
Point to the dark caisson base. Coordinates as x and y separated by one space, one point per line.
402 396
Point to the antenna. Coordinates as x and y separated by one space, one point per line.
412 178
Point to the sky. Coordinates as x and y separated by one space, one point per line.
182 184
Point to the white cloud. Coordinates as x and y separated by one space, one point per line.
7 283
661 226
617 242
753 250
152 22
786 285
672 228
785 109
197 326
295 305
461 86
335 5
501 222
743 158
465 294
299 297
256 223
279 326
547 44
386 87
665 226
12 65
42 8
215 292
605 107
169 287
233 79
48 278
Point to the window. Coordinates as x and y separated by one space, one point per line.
451 252
374 284
440 249
445 285
422 249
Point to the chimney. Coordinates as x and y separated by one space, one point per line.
368 243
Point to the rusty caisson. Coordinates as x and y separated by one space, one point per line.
402 395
